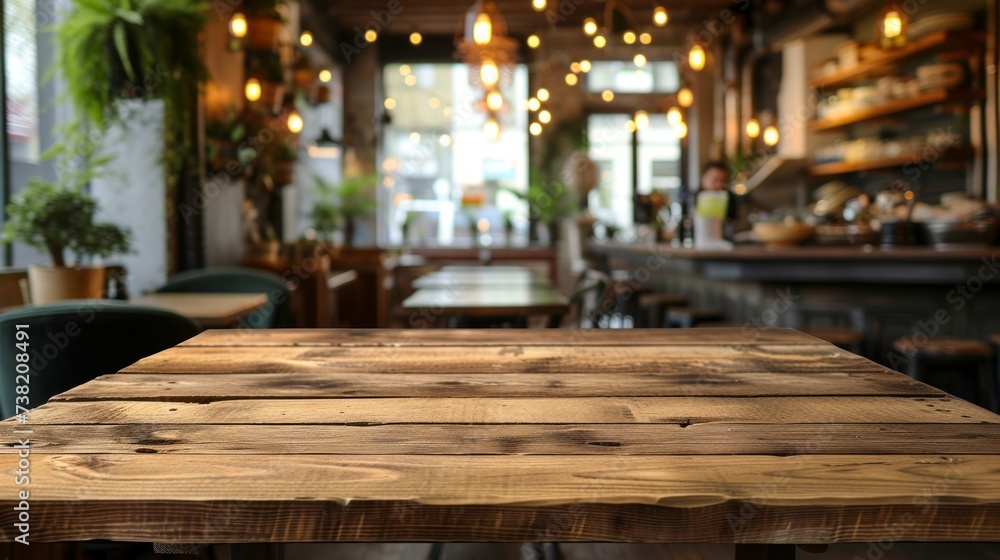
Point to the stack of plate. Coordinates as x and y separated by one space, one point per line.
942 75
941 21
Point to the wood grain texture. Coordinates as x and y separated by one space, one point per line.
513 436
197 498
497 337
228 386
692 359
514 439
569 410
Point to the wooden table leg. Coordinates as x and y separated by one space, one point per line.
765 552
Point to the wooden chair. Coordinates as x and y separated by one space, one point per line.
237 280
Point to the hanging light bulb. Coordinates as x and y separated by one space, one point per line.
684 97
575 68
585 66
641 120
492 128
571 79
416 38
544 117
494 101
539 5
696 57
534 104
674 116
294 122
639 60
681 129
608 95
238 25
753 128
660 17
771 136
600 41
371 35
629 37
482 29
645 38
630 125
489 73
542 95
535 129
252 89
590 26
533 41
891 27
306 38
325 75
389 103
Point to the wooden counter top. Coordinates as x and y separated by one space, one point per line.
761 252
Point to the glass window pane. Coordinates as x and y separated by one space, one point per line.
443 179
611 147
21 59
625 77
659 153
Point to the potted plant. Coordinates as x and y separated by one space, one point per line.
285 156
304 74
56 219
549 202
264 23
224 137
353 198
266 68
110 50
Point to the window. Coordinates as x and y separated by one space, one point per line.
632 161
21 59
625 77
443 182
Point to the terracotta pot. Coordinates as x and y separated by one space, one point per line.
305 80
52 283
284 173
263 32
271 94
265 253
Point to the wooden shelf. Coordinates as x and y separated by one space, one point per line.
925 99
885 59
839 168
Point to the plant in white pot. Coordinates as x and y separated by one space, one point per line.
59 219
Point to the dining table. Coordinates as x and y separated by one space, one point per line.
765 439
208 310
465 294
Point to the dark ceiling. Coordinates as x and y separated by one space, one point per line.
442 17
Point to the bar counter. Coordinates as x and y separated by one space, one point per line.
895 292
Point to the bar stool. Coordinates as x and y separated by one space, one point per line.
656 306
970 359
688 317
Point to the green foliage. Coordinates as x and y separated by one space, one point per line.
548 201
266 67
110 50
352 198
229 128
55 218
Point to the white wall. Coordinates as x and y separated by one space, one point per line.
133 194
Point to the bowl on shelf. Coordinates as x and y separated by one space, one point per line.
782 234
947 233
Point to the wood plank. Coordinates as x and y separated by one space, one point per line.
508 359
311 385
597 410
497 337
308 498
506 439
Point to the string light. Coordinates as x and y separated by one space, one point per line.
585 66
389 103
544 117
252 89
681 129
542 95
629 37
494 101
641 120
492 128
238 25
771 136
416 38
645 38
674 116
639 60
608 95
482 29
696 57
325 76
685 98
489 73
371 35
306 38
539 5
660 17
600 42
294 122
533 41
753 128
590 26
571 79
534 104
535 129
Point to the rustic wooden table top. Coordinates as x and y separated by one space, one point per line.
700 435
208 310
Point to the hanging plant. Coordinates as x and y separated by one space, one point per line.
264 23
114 50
